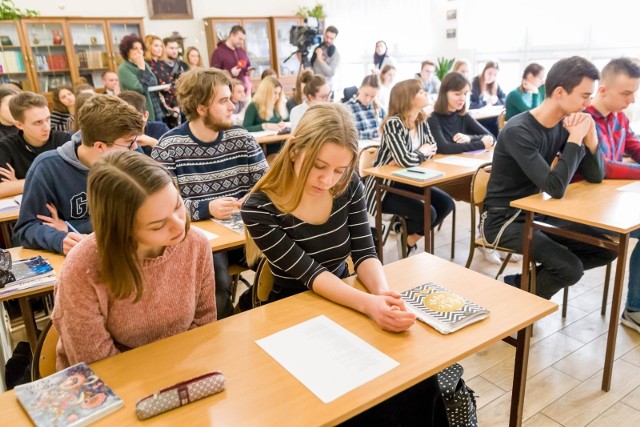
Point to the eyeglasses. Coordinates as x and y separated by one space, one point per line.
130 146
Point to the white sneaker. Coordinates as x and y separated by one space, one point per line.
491 256
631 320
514 257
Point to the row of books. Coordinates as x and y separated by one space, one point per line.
91 59
11 62
52 62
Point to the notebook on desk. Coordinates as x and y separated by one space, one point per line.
417 173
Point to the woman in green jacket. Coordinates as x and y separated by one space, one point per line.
134 74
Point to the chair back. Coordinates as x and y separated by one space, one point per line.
263 283
479 183
348 93
44 357
502 120
366 158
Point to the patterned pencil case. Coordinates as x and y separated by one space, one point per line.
179 395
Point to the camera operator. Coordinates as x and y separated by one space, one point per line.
230 56
325 57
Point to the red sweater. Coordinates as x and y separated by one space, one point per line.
178 295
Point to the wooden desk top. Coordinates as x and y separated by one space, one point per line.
451 172
261 138
227 238
260 392
598 205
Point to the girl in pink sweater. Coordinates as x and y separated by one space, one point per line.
142 275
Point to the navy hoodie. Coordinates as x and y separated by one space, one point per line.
55 177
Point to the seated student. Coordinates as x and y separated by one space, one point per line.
387 75
35 136
214 163
526 148
7 123
454 130
427 75
80 100
298 93
142 276
238 97
312 190
83 88
617 88
366 111
111 83
268 72
64 108
485 91
55 195
266 110
527 96
462 66
407 141
152 130
316 90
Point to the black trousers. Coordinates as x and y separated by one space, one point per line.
221 262
562 261
413 210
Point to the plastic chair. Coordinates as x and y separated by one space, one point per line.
348 93
44 357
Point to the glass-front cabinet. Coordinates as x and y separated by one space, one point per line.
14 66
90 50
118 28
48 52
288 62
258 45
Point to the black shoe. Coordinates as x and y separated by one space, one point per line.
513 280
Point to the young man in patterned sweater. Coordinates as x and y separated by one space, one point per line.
214 163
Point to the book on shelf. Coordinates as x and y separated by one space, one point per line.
73 397
417 173
442 309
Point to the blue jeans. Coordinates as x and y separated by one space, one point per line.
633 295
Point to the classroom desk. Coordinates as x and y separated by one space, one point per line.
260 392
6 218
487 112
227 239
597 205
452 173
267 137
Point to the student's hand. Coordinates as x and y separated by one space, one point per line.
461 138
529 87
591 139
8 173
223 207
53 221
138 59
428 149
389 312
494 100
271 126
70 241
235 71
578 125
117 89
146 141
487 140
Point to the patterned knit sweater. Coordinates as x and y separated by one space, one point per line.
178 295
206 170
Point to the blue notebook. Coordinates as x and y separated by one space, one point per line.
417 173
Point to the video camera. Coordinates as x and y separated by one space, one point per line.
303 37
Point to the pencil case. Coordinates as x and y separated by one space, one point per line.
179 395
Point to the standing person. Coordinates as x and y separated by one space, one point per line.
407 141
214 164
134 74
155 56
326 58
427 74
231 56
312 191
454 130
387 74
485 91
381 58
172 57
367 113
616 91
35 136
526 148
55 193
527 96
7 122
194 59
142 276
64 109
111 83
316 90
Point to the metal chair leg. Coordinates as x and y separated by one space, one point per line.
565 298
504 265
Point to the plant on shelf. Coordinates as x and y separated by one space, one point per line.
316 12
9 11
443 67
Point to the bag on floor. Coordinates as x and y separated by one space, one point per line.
459 399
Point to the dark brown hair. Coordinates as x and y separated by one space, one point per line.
452 82
126 44
400 100
138 101
24 101
106 118
57 104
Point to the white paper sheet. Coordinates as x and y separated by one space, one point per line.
634 187
461 161
209 234
326 358
262 133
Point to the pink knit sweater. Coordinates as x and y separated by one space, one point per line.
178 294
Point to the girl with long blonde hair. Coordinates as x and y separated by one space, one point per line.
267 110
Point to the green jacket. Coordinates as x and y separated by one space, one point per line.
133 78
252 120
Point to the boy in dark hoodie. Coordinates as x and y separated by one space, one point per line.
54 215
